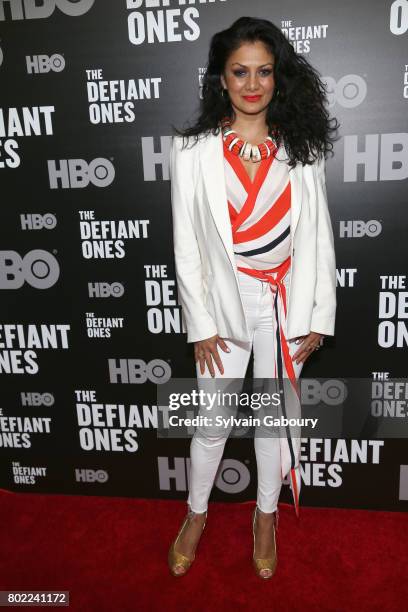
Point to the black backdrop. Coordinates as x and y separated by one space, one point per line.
89 90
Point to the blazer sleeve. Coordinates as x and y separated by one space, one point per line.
324 307
198 322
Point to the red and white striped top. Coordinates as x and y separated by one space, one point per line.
259 211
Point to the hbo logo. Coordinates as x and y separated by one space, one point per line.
36 221
105 290
331 392
358 228
89 475
37 399
232 476
139 372
38 268
45 63
77 173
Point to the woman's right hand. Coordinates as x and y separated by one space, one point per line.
205 351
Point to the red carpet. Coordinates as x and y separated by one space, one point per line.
111 554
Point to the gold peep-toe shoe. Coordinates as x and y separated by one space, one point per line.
270 562
175 558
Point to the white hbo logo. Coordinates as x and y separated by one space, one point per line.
105 290
36 221
77 173
37 399
138 372
349 91
38 268
331 392
88 475
358 228
28 9
45 63
233 476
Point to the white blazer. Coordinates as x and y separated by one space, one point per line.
206 272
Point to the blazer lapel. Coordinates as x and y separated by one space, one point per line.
212 168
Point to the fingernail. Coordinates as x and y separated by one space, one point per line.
228 350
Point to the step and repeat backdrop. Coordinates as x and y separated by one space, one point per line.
90 323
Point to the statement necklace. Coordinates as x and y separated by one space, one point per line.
243 148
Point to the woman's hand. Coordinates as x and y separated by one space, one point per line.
205 351
307 346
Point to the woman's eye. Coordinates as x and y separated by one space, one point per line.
264 72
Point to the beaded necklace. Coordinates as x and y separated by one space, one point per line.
243 148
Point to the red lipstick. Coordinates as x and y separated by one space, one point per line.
252 98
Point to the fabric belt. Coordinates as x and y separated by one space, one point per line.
283 358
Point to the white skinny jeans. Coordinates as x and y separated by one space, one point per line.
207 445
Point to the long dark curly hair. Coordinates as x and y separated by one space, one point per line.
296 114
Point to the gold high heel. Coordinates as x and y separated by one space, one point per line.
270 562
175 558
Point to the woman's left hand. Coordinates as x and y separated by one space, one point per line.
307 346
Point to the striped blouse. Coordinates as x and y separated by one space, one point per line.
259 211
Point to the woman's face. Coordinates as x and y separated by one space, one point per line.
249 77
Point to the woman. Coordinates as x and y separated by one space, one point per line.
254 249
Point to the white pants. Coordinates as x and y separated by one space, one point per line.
207 445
